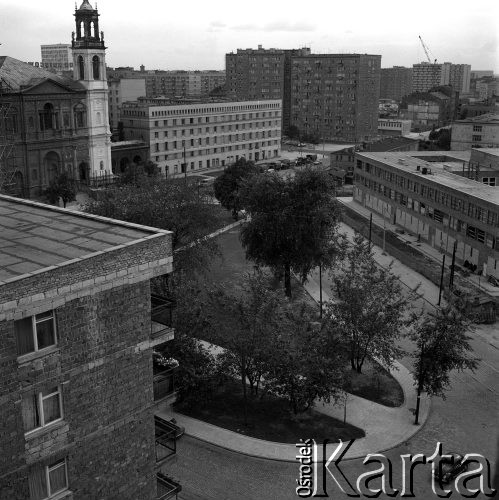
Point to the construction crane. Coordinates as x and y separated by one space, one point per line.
426 49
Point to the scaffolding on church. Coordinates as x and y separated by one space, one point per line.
7 139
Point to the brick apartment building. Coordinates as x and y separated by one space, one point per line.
80 395
256 74
395 82
335 96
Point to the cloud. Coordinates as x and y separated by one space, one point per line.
283 26
246 27
275 26
217 24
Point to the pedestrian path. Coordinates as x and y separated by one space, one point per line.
384 427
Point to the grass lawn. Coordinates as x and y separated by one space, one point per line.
268 419
231 266
376 385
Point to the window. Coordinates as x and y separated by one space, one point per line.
80 116
477 128
81 68
35 333
42 408
96 67
46 482
476 138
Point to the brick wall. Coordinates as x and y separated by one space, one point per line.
104 364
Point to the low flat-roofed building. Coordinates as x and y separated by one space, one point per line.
477 132
393 126
204 134
429 195
80 392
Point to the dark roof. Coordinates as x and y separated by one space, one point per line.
388 144
17 75
34 236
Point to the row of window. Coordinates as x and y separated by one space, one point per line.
432 193
205 152
223 128
220 109
224 139
430 212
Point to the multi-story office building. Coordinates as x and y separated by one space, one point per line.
426 75
204 134
395 82
182 83
427 194
335 96
479 131
81 397
475 74
122 90
486 88
256 74
57 57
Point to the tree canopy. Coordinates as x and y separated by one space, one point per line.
61 187
369 309
171 204
293 223
227 185
442 346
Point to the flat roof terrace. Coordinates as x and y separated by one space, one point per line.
34 236
441 173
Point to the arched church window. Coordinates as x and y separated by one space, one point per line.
47 120
92 29
81 67
96 67
80 116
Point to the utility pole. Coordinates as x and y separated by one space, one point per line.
184 166
441 280
451 277
320 290
420 383
370 229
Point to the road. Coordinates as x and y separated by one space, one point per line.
465 422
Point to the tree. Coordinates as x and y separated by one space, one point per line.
442 346
227 185
369 310
293 132
307 368
137 174
61 187
167 204
245 324
293 223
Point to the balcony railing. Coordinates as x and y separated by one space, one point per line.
161 315
163 382
166 441
166 488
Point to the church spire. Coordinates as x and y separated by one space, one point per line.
87 28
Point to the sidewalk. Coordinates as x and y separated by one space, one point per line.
426 249
385 427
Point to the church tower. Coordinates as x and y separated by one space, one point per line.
89 63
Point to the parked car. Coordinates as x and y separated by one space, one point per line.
301 145
452 464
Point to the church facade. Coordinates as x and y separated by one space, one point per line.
51 124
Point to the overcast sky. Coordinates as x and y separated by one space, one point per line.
195 34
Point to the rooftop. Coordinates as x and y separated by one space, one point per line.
16 75
486 118
440 171
34 237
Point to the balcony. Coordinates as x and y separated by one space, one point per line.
164 383
166 439
161 318
166 487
